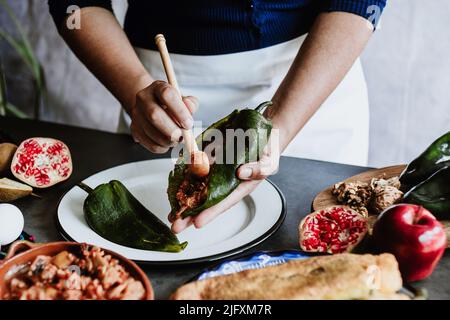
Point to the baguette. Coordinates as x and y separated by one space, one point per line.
343 276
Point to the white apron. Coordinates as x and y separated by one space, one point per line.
338 132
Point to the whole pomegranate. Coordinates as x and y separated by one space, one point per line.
334 230
414 236
42 162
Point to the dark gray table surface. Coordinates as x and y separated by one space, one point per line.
93 151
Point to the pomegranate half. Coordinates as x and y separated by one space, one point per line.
333 230
42 162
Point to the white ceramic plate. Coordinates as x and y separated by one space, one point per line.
248 223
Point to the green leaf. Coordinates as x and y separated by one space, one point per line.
25 43
25 53
3 100
23 48
14 111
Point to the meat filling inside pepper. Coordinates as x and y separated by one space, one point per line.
192 192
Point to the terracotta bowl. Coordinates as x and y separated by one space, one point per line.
22 252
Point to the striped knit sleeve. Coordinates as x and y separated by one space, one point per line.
368 9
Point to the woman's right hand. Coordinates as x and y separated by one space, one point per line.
158 116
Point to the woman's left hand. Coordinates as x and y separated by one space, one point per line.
251 173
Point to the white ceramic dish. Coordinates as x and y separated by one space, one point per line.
247 224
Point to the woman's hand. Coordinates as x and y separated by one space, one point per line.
251 173
158 115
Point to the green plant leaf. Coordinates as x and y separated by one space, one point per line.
18 47
25 43
3 100
14 111
25 51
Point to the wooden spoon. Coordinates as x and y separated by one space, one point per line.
199 160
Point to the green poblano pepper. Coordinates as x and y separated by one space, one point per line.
434 158
115 214
222 179
433 194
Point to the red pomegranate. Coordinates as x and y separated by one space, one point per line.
334 230
42 162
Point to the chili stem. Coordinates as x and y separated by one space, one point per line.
85 187
263 106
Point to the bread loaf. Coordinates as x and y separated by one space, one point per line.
343 276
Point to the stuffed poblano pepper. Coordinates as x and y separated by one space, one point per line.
115 214
434 158
188 194
433 194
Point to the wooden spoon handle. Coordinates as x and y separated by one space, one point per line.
170 73
167 63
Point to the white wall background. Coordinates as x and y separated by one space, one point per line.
407 66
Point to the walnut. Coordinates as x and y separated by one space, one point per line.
381 182
377 195
356 195
384 197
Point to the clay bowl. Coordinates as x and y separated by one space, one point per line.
22 252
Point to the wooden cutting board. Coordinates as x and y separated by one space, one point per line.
325 198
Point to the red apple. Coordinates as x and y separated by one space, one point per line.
414 236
